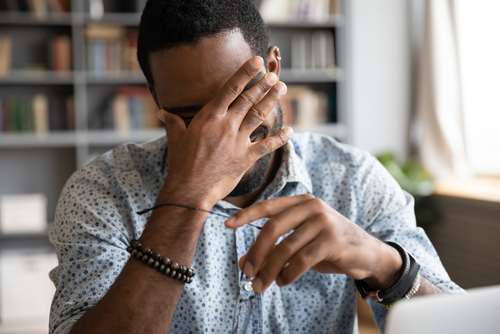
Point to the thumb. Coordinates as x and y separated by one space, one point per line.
174 124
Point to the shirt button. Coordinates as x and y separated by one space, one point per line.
248 286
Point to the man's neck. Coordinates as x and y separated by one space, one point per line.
272 169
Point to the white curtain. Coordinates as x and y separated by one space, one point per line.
458 101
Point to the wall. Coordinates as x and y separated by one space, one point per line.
379 61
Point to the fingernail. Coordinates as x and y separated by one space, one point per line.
257 62
257 284
230 221
271 78
289 131
160 116
281 87
248 269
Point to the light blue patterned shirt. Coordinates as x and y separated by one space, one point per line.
96 220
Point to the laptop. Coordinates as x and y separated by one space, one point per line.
475 312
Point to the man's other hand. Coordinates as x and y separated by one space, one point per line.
322 240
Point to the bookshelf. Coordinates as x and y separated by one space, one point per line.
65 150
41 162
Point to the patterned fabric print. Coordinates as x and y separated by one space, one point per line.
95 221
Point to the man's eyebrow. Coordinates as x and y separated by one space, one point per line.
191 109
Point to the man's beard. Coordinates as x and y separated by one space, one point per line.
254 178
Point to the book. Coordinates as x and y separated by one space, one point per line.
40 106
111 49
132 108
313 51
5 55
305 106
316 11
39 8
60 53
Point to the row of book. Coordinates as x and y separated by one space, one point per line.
111 49
39 114
313 51
131 108
317 11
304 106
40 8
59 56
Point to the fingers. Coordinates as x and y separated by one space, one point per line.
234 86
265 209
258 112
283 252
174 124
253 95
271 144
270 233
309 256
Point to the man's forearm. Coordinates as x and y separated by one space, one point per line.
427 288
143 300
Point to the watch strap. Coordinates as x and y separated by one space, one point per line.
402 284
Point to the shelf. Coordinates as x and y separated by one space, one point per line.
37 78
51 139
117 79
126 19
8 241
112 138
333 22
52 19
310 76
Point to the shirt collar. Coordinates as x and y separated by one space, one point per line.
292 170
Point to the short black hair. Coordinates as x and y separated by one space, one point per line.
166 24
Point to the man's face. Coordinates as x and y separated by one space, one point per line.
188 77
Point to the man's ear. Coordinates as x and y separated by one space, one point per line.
153 94
274 60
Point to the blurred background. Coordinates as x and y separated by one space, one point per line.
413 82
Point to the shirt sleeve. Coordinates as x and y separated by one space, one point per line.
91 232
388 214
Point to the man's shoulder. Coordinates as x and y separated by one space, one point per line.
132 156
315 148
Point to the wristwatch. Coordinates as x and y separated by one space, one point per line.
402 285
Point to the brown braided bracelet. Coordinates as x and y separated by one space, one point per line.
162 264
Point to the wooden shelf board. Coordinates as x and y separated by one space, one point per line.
20 18
480 188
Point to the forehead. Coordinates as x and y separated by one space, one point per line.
191 75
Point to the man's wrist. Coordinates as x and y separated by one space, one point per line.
185 195
387 269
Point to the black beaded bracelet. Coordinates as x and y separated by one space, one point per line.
162 264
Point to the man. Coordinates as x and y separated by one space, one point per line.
216 84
